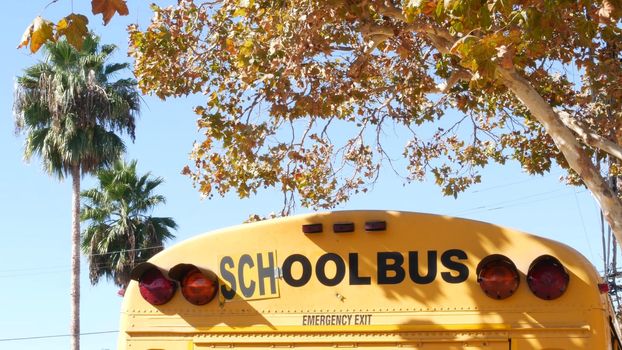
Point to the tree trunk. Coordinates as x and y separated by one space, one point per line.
566 142
75 259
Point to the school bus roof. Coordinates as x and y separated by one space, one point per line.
418 273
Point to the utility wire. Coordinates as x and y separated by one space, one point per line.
495 206
26 269
54 336
508 184
589 245
517 201
126 250
44 271
36 269
35 273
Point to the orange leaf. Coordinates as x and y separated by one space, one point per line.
429 7
26 36
505 57
74 28
606 11
37 33
108 8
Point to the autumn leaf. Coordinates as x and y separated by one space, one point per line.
426 7
429 7
74 28
273 73
230 46
108 8
464 45
37 33
505 57
607 11
25 37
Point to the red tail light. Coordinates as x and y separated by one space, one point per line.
197 286
497 276
547 278
154 287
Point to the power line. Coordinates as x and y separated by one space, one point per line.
54 336
532 198
508 184
27 269
60 268
35 273
589 245
126 250
44 271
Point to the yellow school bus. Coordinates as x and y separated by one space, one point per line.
367 279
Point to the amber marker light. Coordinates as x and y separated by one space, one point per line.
497 276
198 286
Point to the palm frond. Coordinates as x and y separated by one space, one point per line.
120 206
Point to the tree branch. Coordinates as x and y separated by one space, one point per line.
455 77
441 38
376 35
567 143
590 137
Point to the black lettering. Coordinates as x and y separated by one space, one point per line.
460 268
384 267
353 266
320 269
266 272
227 293
247 291
306 270
362 319
413 268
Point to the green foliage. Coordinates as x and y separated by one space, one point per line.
121 231
70 110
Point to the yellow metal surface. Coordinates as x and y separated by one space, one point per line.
412 285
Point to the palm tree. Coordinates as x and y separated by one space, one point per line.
70 111
121 230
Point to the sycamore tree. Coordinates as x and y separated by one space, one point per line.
304 95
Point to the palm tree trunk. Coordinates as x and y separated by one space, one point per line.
75 259
132 241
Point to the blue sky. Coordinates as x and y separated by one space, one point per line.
35 208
